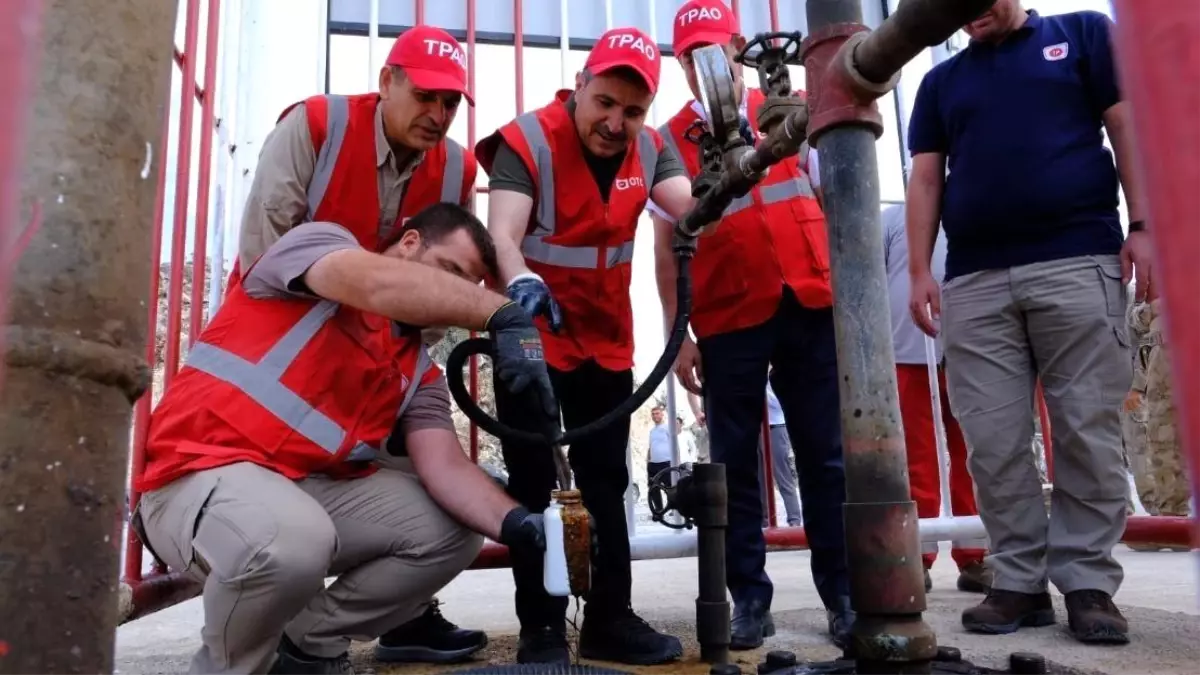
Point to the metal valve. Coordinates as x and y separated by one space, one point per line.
666 496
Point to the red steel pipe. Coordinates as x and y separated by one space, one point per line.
1047 436
473 381
773 8
420 11
768 465
20 37
207 127
183 175
519 52
1158 56
141 411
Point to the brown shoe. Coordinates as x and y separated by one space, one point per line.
1006 611
975 578
1094 619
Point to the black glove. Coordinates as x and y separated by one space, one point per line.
523 531
518 358
532 294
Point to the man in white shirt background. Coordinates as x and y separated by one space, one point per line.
689 453
661 454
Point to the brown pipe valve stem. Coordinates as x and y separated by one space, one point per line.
577 539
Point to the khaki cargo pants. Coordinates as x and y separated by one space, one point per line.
1062 321
263 545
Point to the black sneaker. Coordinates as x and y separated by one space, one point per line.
291 661
752 622
626 638
429 638
545 644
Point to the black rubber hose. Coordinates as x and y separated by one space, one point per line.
483 346
542 669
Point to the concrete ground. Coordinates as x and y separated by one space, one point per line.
1158 597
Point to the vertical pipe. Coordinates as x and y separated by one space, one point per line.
882 542
773 9
1047 431
519 52
471 47
322 39
768 465
1156 49
630 500
141 416
608 14
564 43
652 6
733 4
74 332
420 11
372 41
19 35
183 173
712 520
207 109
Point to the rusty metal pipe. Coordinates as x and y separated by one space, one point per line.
75 332
915 25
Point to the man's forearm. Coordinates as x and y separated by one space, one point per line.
509 259
408 292
461 488
1120 132
921 223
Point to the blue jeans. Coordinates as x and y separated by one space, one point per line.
798 344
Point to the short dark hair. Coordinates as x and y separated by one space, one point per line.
435 223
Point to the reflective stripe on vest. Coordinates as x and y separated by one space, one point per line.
261 382
533 246
336 122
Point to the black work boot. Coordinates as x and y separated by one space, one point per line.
1094 619
624 637
840 619
752 622
928 581
1005 611
291 661
544 644
974 578
429 638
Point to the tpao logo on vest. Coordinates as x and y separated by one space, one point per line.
625 183
702 14
628 41
445 50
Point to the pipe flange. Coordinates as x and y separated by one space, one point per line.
869 90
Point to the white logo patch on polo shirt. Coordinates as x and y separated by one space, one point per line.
1056 52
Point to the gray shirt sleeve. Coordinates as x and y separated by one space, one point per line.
279 273
668 165
509 172
429 408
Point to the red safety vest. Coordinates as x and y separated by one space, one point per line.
581 247
344 188
297 386
771 237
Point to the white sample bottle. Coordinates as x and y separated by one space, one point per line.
554 570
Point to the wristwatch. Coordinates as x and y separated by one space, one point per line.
1137 226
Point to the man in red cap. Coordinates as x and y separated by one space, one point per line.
368 163
761 307
567 184
389 147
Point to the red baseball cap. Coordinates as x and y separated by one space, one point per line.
432 59
626 48
702 22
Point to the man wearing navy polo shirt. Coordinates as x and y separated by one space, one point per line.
1035 287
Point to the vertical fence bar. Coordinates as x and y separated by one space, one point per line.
207 114
473 382
419 10
1047 431
183 175
20 33
564 43
372 40
768 465
1156 46
519 52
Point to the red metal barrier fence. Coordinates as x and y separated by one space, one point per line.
161 589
